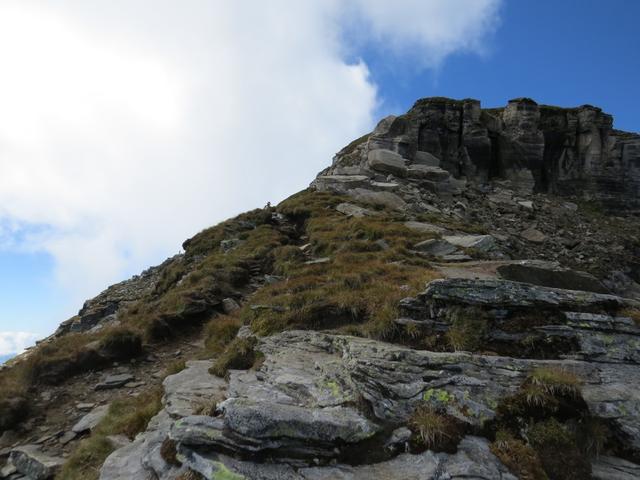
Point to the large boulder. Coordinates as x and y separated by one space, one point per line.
386 161
548 275
35 465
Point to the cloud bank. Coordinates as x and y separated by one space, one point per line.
127 126
15 342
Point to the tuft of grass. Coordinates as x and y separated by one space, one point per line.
127 416
240 354
518 457
220 331
434 430
168 451
556 381
190 475
468 328
633 313
175 368
558 452
121 342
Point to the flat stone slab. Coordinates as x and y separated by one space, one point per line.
386 199
351 210
435 174
426 158
612 468
505 294
436 248
340 183
191 388
90 420
533 235
553 276
386 161
30 461
479 242
423 227
115 381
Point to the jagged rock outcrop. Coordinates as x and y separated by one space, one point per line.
440 141
324 406
104 308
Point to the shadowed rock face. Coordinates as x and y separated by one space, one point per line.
565 151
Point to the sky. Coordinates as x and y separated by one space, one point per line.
126 126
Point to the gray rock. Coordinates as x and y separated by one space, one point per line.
385 199
67 437
118 441
386 161
549 275
473 460
425 158
425 227
317 261
90 420
508 294
218 466
533 235
611 468
526 204
340 183
229 305
30 461
8 470
115 381
479 242
435 174
385 186
191 388
434 247
351 210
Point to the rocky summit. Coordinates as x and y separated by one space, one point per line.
456 297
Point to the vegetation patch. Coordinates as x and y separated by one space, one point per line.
121 343
240 354
127 416
434 430
168 451
558 452
518 457
468 328
371 268
220 331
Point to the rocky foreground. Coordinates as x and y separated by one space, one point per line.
456 297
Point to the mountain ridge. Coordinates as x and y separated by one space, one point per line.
441 301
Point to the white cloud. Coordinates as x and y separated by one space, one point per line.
15 342
426 31
126 126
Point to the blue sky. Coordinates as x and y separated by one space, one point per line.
144 132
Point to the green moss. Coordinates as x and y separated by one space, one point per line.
437 395
223 473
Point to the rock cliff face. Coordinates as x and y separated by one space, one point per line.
564 151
